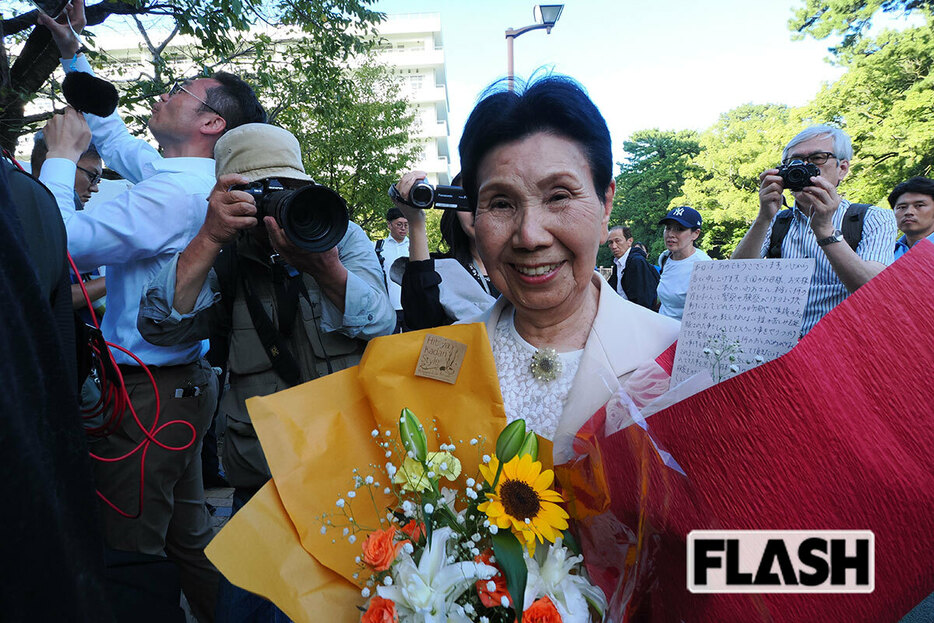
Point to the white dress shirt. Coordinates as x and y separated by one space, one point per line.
135 233
392 251
620 268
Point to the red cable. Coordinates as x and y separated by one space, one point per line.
115 398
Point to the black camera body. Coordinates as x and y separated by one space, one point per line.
797 174
314 217
423 195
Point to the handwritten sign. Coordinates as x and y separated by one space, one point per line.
740 313
440 359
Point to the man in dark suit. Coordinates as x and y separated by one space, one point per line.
633 277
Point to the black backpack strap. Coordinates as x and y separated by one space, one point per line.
276 349
226 271
852 227
779 230
661 261
379 251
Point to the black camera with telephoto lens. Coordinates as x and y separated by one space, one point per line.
314 217
797 174
423 195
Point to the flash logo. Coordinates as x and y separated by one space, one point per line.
771 561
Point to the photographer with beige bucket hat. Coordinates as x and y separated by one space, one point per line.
281 281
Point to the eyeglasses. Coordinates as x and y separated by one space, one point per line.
817 158
179 86
93 176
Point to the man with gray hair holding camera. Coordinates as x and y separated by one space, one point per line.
852 243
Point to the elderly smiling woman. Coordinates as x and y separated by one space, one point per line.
537 171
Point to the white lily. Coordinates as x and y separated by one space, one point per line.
429 589
549 574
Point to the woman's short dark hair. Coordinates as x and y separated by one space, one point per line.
554 104
919 185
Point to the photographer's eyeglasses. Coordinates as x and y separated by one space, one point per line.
179 86
93 177
817 158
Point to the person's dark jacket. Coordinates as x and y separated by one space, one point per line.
640 279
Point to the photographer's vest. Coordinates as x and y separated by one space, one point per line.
251 372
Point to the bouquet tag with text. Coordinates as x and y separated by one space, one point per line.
440 359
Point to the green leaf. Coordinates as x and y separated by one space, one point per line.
510 440
508 552
413 435
570 542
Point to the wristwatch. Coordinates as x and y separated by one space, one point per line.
836 236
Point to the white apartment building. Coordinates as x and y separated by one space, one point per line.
413 46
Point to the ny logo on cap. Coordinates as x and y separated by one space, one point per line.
678 212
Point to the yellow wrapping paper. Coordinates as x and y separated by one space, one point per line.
314 435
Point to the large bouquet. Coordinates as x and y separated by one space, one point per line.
491 548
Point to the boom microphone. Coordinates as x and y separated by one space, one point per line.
89 94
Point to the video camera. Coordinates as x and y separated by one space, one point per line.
314 217
423 195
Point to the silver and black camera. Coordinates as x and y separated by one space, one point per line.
797 174
314 217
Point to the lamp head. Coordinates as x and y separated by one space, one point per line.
547 14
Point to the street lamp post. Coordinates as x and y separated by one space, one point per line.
545 17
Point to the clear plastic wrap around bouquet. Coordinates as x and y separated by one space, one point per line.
834 435
491 548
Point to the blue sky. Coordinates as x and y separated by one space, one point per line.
671 64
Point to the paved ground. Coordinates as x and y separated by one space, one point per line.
221 500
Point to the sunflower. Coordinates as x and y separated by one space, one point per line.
523 501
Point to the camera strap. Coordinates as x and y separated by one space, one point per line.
271 338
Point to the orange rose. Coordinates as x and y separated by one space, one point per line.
380 549
541 611
380 611
414 530
494 598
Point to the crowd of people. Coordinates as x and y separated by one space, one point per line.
208 305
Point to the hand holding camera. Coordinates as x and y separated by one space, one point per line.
229 211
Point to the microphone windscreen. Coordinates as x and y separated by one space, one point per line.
90 94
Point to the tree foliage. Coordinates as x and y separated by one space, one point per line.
651 176
338 29
884 102
849 18
316 77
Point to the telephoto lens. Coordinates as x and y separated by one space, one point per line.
313 217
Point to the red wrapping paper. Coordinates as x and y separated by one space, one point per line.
834 435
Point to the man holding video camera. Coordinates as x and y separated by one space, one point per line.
851 243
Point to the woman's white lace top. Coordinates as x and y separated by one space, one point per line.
539 403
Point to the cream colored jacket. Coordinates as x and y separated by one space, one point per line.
623 337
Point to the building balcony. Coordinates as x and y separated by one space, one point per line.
405 59
427 95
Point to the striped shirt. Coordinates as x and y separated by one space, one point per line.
826 290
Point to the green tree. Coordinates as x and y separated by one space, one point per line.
884 102
850 18
723 181
656 166
336 29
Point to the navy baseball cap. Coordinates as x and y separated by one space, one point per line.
684 216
